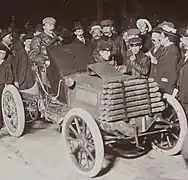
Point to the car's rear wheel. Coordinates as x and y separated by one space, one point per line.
170 142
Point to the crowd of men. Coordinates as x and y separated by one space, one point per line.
160 52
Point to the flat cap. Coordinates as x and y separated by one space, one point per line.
49 20
95 25
133 32
28 36
135 41
107 23
104 46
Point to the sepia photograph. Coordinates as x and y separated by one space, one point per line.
94 90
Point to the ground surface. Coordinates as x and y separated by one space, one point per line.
39 155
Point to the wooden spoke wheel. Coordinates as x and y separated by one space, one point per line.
13 111
83 142
171 141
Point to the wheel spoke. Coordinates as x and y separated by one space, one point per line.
83 128
168 140
77 125
80 154
173 113
91 145
90 155
174 135
73 130
162 137
86 158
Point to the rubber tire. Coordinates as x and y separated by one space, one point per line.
20 110
99 145
183 126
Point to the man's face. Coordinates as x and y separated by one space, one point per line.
105 54
2 54
8 39
156 39
163 39
27 43
49 26
107 30
143 28
79 32
96 34
135 49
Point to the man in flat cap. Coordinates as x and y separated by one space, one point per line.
138 64
96 32
118 46
23 76
39 45
128 34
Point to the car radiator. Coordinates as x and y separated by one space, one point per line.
130 98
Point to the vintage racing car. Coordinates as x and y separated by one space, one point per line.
97 107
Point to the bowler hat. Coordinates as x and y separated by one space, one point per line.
4 33
77 25
28 36
106 23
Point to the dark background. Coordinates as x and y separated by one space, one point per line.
67 11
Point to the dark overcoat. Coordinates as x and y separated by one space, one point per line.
166 74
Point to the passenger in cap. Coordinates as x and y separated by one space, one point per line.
104 54
39 44
117 43
138 63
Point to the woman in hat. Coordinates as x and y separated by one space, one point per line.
167 64
6 76
145 28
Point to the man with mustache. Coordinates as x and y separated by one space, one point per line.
96 32
118 46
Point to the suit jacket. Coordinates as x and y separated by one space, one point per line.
22 70
166 74
77 41
156 54
6 75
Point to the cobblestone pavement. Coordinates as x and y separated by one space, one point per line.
39 155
